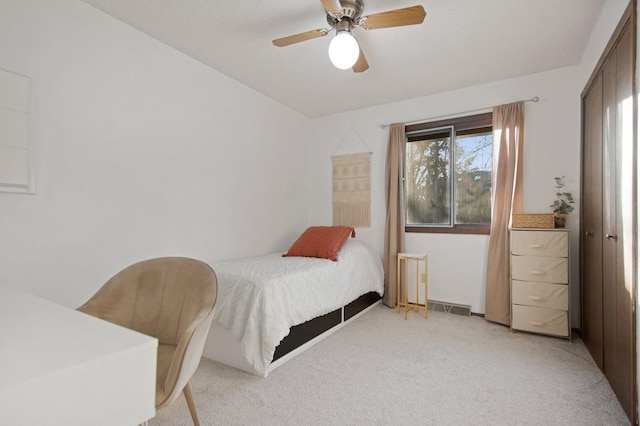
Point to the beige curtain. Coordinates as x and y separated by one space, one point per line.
394 223
508 129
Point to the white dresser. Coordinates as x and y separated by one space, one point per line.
540 291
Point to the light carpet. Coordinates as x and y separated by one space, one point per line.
384 370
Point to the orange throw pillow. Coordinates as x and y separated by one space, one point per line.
321 241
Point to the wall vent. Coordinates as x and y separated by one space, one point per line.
452 308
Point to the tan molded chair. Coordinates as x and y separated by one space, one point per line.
169 298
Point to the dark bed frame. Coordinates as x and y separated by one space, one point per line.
302 333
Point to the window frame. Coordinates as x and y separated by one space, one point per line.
461 125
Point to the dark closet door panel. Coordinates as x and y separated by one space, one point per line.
622 231
591 224
609 99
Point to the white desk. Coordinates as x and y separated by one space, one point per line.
62 367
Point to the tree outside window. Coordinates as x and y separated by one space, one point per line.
448 184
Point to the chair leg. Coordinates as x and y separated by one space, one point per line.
192 407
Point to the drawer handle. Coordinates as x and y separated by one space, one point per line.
535 246
537 272
538 298
538 323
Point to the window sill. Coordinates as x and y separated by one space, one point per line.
457 229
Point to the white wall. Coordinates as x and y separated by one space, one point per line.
612 11
145 152
142 152
458 262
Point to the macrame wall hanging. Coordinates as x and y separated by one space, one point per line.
352 187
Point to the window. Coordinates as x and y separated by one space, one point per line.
447 175
17 153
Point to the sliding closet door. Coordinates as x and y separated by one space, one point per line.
608 214
591 223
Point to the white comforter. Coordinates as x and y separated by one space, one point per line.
261 298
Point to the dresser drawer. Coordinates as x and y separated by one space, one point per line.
540 320
554 296
540 243
540 269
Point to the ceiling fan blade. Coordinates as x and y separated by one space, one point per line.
395 18
297 38
332 6
361 64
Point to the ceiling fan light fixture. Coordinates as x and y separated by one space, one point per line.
344 50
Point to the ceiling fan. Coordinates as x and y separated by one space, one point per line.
345 15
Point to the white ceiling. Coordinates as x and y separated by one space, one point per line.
461 43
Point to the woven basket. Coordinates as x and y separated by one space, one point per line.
538 220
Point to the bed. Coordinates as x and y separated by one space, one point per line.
272 307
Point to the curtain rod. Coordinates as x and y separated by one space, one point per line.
382 126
